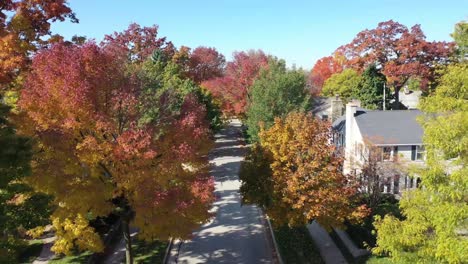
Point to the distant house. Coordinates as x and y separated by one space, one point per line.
410 99
327 108
397 133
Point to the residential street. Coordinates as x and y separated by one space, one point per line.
237 234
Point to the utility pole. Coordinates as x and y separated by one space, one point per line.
383 103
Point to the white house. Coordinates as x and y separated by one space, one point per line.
396 132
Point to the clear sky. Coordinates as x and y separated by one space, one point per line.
298 31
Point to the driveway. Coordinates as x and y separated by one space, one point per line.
237 234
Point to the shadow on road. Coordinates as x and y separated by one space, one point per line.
237 233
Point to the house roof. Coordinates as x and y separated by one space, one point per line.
397 127
321 104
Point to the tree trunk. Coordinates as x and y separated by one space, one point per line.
396 96
128 241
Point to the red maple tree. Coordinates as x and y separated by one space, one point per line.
204 64
95 156
402 53
233 88
322 70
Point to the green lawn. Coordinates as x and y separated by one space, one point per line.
81 258
378 260
296 246
146 253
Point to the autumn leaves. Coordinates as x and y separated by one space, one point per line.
117 132
295 174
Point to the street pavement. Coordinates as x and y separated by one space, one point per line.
237 233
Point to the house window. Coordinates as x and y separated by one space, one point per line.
420 151
417 152
324 117
386 153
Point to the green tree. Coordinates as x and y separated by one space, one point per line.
460 35
20 207
164 80
435 224
370 89
344 84
275 93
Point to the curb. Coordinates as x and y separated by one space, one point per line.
275 245
168 250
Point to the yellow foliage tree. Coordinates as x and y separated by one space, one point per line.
304 181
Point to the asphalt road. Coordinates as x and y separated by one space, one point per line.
237 234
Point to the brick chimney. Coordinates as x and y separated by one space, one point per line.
351 130
337 108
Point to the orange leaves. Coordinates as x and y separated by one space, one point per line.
85 113
306 173
322 70
24 30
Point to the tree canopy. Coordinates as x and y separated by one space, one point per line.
402 53
345 84
323 69
234 88
96 156
24 28
370 90
276 92
434 228
295 175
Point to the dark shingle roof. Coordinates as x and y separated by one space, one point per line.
390 127
320 104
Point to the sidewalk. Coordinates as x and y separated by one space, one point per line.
46 253
330 253
118 255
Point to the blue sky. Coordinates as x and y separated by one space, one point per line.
298 31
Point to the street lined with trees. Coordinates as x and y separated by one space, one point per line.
119 132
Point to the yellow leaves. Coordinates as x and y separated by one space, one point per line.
306 176
36 232
75 232
91 151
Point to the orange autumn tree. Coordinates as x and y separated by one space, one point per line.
323 69
24 28
95 156
296 176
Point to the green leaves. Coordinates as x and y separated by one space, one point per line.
275 93
436 215
343 84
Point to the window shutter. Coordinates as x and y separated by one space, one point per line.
413 152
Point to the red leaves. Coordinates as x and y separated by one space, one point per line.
401 52
61 88
205 64
322 70
233 88
138 43
85 112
